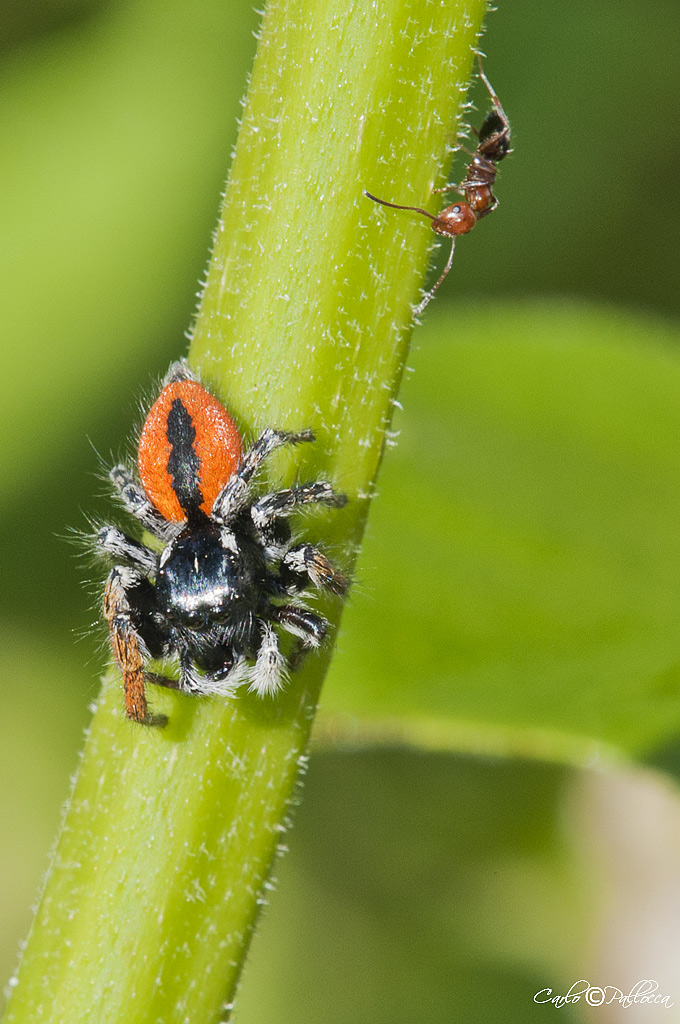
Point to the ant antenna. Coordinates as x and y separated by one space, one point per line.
418 209
395 206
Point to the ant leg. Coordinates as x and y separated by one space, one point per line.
430 295
114 542
494 98
128 647
449 188
234 495
489 209
453 187
137 504
304 564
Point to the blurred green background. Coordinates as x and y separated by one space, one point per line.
517 608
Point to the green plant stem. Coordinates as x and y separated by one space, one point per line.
170 835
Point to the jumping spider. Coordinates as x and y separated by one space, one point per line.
228 569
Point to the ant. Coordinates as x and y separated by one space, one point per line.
477 186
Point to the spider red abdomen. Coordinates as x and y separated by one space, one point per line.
188 450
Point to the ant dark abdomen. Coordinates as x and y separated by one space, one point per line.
476 187
494 135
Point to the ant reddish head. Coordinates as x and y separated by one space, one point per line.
476 187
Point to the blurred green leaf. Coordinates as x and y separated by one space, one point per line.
116 138
423 888
519 589
30 18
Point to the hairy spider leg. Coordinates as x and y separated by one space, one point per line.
128 647
306 563
234 495
134 499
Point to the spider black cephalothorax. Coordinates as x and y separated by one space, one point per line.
228 569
